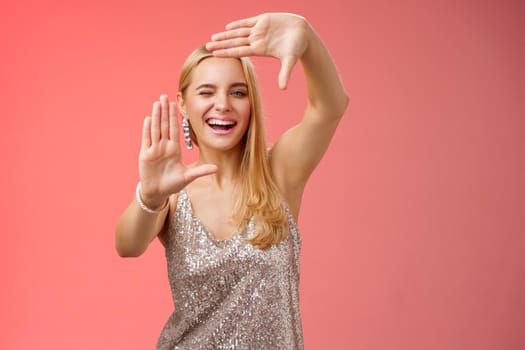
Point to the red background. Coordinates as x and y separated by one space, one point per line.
413 225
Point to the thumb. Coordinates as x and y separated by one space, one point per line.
205 169
287 64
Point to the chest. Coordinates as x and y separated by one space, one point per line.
214 210
195 256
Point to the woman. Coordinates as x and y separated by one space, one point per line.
228 222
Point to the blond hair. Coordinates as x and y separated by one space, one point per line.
259 196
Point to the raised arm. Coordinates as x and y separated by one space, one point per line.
290 38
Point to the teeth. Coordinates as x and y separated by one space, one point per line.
220 122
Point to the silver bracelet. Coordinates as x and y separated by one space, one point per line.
143 206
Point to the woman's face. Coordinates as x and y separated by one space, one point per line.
217 103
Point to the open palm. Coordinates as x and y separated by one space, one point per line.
161 169
279 35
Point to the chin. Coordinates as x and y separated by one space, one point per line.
222 145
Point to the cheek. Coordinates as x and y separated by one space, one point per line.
245 111
199 106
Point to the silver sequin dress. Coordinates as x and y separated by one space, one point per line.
229 294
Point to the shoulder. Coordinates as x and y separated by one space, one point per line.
163 234
292 192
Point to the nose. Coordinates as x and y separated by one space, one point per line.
222 102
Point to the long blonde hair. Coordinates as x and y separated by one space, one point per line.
259 196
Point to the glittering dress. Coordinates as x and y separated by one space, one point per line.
229 294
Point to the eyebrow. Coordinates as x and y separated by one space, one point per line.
211 86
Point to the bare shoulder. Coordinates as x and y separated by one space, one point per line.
291 191
173 206
163 234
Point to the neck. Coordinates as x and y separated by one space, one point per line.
227 162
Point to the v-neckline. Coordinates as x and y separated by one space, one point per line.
205 228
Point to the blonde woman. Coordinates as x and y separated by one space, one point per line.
228 222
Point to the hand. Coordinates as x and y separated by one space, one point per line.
161 170
280 35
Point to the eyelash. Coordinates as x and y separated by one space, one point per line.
239 93
235 93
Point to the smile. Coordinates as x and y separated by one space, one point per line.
221 126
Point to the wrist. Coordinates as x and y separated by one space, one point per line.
311 40
150 204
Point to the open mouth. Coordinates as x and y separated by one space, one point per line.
221 125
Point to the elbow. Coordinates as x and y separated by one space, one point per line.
126 250
342 105
336 109
332 111
124 253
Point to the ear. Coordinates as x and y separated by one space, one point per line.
181 104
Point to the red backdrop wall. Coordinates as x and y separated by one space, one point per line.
413 225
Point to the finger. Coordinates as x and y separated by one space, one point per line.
164 117
240 51
245 22
287 64
174 123
155 123
236 33
202 170
228 43
146 135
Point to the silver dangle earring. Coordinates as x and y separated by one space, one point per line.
186 130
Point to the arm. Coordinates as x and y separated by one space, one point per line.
299 150
162 174
290 38
136 228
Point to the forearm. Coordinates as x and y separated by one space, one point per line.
326 93
136 228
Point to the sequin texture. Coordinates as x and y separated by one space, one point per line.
229 294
